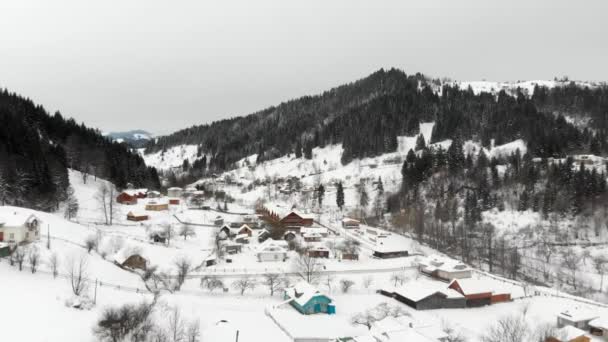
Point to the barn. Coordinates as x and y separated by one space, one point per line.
422 295
479 292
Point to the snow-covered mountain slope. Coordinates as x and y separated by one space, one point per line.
172 157
527 87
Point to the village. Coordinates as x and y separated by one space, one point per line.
311 278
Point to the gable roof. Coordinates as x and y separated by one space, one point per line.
303 292
471 286
419 290
578 314
16 218
569 332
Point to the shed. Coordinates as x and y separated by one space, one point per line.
599 326
350 223
157 206
137 216
479 292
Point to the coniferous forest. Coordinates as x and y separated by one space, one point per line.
366 116
37 148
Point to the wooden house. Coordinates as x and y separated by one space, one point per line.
349 223
137 216
297 219
174 201
350 256
157 206
133 261
478 292
318 252
307 300
577 317
126 198
425 295
18 226
244 229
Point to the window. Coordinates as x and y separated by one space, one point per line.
11 236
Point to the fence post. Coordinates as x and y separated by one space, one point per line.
95 296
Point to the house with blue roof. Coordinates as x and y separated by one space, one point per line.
308 300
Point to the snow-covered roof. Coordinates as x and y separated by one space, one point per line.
578 314
303 292
174 188
346 219
312 235
15 218
136 213
221 332
418 290
478 285
273 244
242 236
600 323
569 332
313 230
435 262
133 192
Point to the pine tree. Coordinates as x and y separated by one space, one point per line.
298 149
71 208
420 143
340 196
379 201
363 197
320 194
455 157
308 150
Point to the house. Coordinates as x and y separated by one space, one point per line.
272 250
599 326
424 295
321 231
126 198
289 236
242 239
219 221
569 334
233 248
175 192
224 233
318 252
404 328
210 261
349 223
294 229
389 254
577 317
479 292
18 226
157 206
153 194
131 261
174 201
312 237
308 300
350 256
158 237
443 268
137 216
297 219
244 229
263 235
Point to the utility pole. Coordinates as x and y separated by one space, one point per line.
95 295
237 336
48 236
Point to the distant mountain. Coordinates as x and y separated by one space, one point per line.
136 138
367 116
36 150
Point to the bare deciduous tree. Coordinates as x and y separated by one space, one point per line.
398 278
378 313
186 231
54 264
105 199
507 329
212 283
307 267
274 282
19 257
571 261
90 242
33 258
193 331
346 284
599 263
183 267
176 324
243 284
77 273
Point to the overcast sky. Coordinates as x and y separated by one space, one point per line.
166 65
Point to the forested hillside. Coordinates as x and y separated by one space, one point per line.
367 116
37 148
